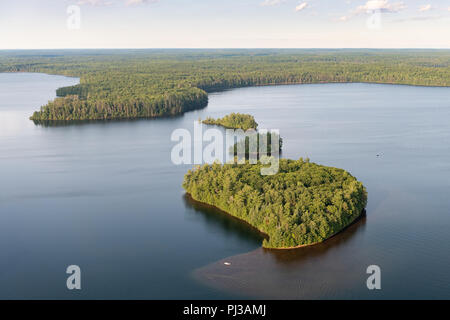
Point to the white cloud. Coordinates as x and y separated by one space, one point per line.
269 3
94 2
110 2
426 7
137 2
380 5
384 6
301 6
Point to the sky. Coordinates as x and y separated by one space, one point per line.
54 24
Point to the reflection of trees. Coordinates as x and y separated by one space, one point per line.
64 123
221 220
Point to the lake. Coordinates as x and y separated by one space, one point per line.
106 196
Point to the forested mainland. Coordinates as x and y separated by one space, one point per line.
303 204
127 84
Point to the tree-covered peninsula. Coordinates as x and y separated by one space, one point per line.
304 203
234 121
119 84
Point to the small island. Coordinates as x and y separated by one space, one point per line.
234 121
303 204
263 142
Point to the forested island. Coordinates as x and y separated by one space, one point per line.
263 142
246 122
234 121
127 84
303 204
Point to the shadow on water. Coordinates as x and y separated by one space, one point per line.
311 252
324 270
218 219
215 217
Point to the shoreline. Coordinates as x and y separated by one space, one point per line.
266 236
362 215
213 91
261 85
326 82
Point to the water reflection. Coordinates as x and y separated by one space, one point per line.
218 220
66 123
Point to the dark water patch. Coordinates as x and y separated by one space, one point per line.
275 274
225 222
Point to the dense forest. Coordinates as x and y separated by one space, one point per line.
304 203
120 84
234 121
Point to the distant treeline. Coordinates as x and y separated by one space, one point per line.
140 84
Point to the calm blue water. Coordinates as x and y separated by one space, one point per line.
106 196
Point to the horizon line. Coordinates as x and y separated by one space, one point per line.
237 48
